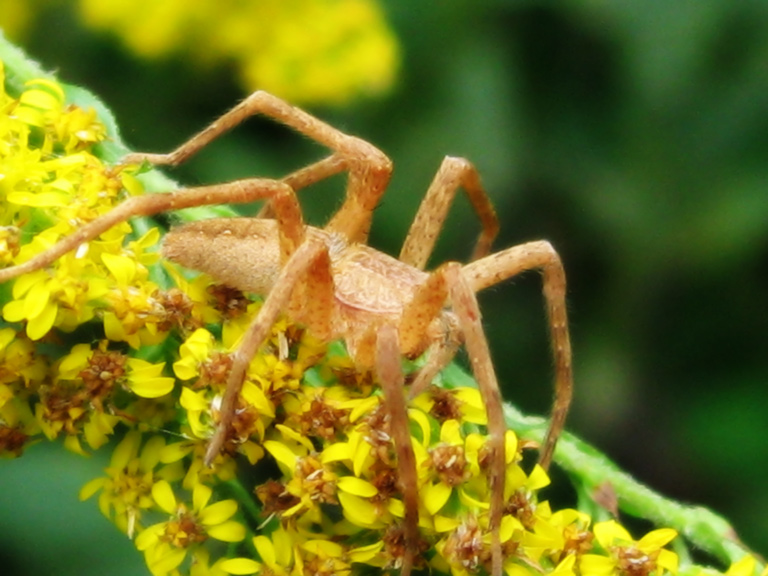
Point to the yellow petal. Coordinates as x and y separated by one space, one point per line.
668 560
450 432
150 455
72 443
472 407
121 267
364 554
357 510
656 539
37 299
91 488
227 532
161 564
285 457
609 531
510 446
127 449
435 496
255 396
744 567
537 479
266 550
283 544
422 420
191 400
335 453
218 512
445 523
201 495
175 452
13 311
41 325
323 548
357 486
518 570
74 362
149 536
162 493
363 407
240 566
151 387
595 565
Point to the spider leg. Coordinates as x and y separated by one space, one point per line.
446 336
283 199
425 311
426 308
497 267
309 262
307 176
369 169
390 377
452 174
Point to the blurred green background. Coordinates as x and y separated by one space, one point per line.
632 134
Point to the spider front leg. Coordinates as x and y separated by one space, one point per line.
369 168
240 191
308 267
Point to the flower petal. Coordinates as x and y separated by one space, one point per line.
218 512
227 532
240 566
163 495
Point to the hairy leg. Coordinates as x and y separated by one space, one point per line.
502 265
239 191
452 174
390 377
369 169
465 306
423 313
310 257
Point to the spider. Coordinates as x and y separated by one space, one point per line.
328 279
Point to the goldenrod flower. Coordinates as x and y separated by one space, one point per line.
625 556
275 551
126 490
747 566
165 544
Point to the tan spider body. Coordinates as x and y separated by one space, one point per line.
328 279
370 288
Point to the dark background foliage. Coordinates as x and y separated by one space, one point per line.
631 134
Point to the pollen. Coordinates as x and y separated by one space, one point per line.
450 464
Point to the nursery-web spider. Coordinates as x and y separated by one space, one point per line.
329 280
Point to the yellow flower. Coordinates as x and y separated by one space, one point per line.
747 566
126 490
17 425
625 556
165 545
145 380
275 551
311 50
19 363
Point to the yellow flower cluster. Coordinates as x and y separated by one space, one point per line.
326 51
89 344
